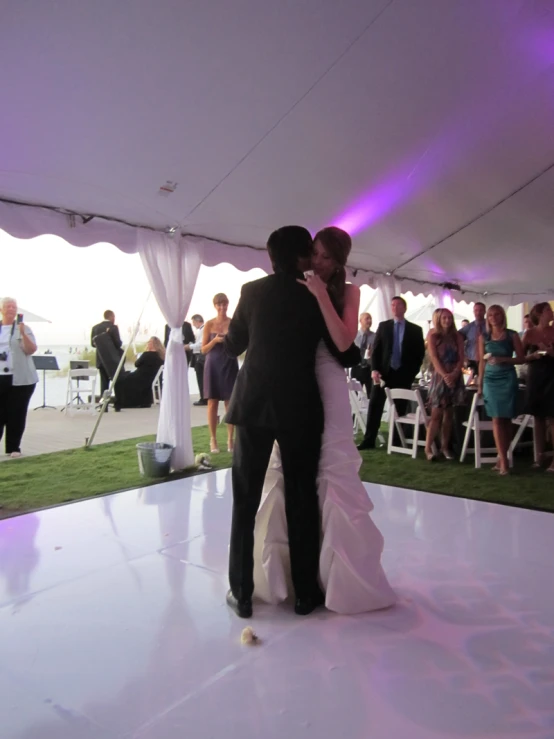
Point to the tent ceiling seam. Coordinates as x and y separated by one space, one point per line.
476 218
290 110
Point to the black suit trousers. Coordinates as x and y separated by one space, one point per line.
396 379
300 452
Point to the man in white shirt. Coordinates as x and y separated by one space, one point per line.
198 358
364 341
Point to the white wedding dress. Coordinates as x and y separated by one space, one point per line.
350 569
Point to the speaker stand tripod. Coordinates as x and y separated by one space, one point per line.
44 394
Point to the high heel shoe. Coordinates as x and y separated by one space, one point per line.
430 456
214 449
447 454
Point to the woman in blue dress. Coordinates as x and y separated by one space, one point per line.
498 379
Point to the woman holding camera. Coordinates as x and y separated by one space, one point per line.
18 375
220 370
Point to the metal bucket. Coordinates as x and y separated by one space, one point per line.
154 458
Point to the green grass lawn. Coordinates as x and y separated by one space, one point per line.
50 479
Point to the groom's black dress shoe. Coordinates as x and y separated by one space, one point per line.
243 608
365 445
304 606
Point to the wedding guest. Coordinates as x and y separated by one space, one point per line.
134 389
471 334
18 375
538 345
465 322
396 359
220 370
188 338
446 349
498 379
108 326
364 341
527 323
198 359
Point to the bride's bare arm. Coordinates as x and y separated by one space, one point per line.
341 330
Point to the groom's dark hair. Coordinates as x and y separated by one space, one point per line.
287 245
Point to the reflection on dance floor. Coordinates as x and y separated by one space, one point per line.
113 624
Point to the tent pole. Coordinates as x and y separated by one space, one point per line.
108 393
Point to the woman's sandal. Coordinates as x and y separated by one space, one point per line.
430 456
214 449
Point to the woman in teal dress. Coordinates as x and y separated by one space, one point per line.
498 379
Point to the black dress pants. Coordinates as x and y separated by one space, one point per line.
396 379
300 452
104 379
14 402
199 362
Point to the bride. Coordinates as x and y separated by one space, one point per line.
351 545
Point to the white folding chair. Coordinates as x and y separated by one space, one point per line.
157 387
475 425
415 419
523 422
359 405
81 381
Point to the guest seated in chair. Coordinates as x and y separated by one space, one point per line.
134 389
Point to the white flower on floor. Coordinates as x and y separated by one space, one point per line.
248 636
203 462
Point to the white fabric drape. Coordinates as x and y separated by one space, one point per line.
172 265
443 298
387 287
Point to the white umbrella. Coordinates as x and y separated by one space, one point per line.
425 313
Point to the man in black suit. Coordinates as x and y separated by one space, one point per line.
276 398
188 338
398 352
106 326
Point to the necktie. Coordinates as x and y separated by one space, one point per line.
396 351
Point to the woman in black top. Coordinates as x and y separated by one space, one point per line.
134 389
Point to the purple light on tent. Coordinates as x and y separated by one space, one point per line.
370 208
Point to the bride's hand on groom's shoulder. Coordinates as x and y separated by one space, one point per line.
315 285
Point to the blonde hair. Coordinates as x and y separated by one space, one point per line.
504 319
437 316
158 347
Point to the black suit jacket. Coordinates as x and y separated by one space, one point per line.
113 333
413 349
188 337
280 324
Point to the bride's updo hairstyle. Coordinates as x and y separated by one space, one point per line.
337 243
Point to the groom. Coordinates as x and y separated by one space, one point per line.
276 398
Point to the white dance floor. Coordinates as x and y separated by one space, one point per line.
113 624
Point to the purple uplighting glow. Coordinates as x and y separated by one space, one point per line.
369 209
381 199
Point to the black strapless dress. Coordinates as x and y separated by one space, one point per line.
539 392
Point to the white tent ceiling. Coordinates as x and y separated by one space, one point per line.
422 126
